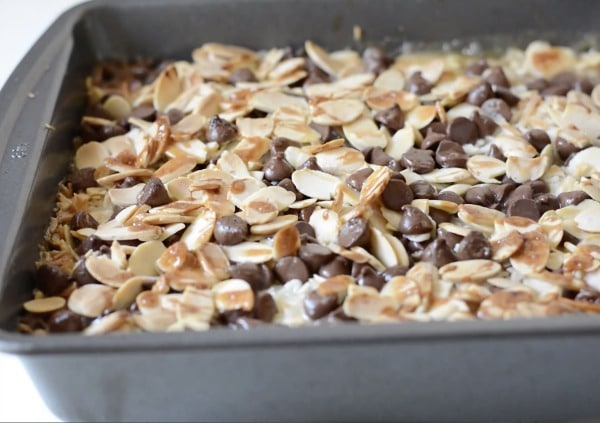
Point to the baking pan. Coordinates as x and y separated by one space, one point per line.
523 370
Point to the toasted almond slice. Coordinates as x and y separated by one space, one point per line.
124 197
382 248
340 161
587 219
232 164
448 175
512 146
44 305
404 292
477 270
117 107
296 131
274 225
545 60
303 203
380 98
504 247
241 189
91 154
106 271
194 149
320 57
157 321
337 112
91 300
189 125
585 162
401 142
517 223
249 252
447 206
201 229
336 285
113 322
118 255
365 304
390 79
270 101
426 277
255 127
260 212
278 196
174 168
126 294
485 168
286 242
479 217
375 184
362 133
113 178
251 149
523 169
421 116
533 255
167 88
142 261
213 260
315 184
233 294
196 308
552 226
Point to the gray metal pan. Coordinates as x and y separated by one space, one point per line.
526 370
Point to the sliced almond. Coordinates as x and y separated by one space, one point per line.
552 226
545 60
421 116
485 168
142 261
402 141
233 164
44 305
157 321
448 175
382 248
91 154
362 133
365 304
233 294
426 277
196 308
241 189
260 212
375 184
404 292
479 217
124 197
390 79
507 245
336 285
200 230
477 270
174 168
286 242
113 322
270 101
340 161
91 300
326 224
249 252
274 225
167 88
533 255
105 270
315 183
278 196
213 261
126 294
337 112
523 169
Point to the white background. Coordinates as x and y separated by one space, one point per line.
23 21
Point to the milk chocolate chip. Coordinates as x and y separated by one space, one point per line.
419 161
154 193
571 198
259 276
392 118
450 154
83 179
416 84
358 178
338 266
414 221
230 230
474 246
538 138
315 255
82 220
437 253
317 305
291 267
396 194
51 279
220 131
277 168
463 130
354 233
369 277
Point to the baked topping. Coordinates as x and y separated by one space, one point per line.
244 188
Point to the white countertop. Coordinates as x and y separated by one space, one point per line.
23 21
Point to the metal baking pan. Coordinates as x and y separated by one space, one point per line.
526 370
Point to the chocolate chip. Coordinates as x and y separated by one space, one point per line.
154 193
259 276
354 233
175 115
82 276
439 216
306 212
480 195
571 198
474 246
507 95
379 157
317 305
560 90
145 112
220 131
419 161
392 118
51 279
62 321
128 182
502 192
450 196
369 277
304 228
277 168
396 194
485 125
265 307
564 77
416 84
92 242
583 85
323 130
463 130
480 93
545 202
476 68
569 237
524 208
451 239
435 126
315 255
338 266
432 139
310 163
280 144
289 185
422 189
588 296
496 153
242 75
521 192
376 60
414 221
450 154
246 323
496 107
564 148
537 84
538 187
82 220
230 230
291 267
496 76
437 253
83 179
393 271
358 178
